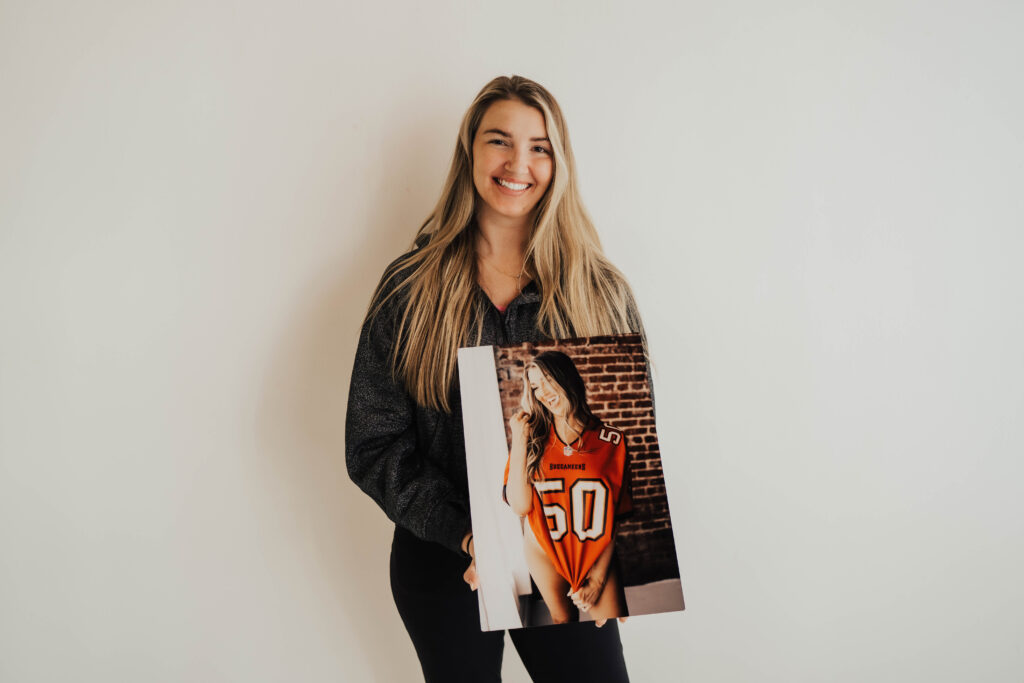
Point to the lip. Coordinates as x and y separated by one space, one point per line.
509 192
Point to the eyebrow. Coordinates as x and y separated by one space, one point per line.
503 133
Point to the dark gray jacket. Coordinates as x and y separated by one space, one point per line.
409 458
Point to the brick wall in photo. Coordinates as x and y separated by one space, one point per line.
615 373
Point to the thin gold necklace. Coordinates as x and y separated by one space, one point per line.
517 278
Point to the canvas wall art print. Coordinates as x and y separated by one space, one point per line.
567 492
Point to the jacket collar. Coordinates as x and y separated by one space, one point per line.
530 294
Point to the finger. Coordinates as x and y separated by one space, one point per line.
600 622
622 620
469 576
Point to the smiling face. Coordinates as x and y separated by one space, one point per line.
512 160
546 392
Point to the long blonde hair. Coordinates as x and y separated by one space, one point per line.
582 293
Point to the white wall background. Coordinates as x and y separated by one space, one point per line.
819 206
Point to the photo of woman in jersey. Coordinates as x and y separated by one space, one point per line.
567 475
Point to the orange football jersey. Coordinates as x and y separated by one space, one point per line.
575 505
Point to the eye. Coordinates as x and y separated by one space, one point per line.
496 141
544 150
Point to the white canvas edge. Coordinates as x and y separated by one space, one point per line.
497 533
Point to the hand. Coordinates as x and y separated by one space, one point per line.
589 593
600 622
520 427
469 576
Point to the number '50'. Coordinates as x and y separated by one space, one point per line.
584 494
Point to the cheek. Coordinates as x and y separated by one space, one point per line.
481 177
479 164
486 159
543 173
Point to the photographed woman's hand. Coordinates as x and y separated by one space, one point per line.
589 593
520 427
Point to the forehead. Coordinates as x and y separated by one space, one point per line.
534 374
512 116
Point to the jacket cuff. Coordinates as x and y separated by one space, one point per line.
448 525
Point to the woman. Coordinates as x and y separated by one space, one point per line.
567 474
508 255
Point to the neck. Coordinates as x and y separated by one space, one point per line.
568 430
501 238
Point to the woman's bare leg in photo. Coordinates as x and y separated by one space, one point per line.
553 587
612 602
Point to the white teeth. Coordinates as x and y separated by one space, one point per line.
513 186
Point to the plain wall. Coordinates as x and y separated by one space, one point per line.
818 205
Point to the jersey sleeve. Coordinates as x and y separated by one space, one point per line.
624 508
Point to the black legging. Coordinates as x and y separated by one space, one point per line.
442 617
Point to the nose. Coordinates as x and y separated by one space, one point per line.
516 164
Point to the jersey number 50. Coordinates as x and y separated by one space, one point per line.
585 495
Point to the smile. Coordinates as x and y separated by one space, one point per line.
512 187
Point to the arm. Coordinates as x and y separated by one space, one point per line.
518 490
593 586
599 572
381 450
590 592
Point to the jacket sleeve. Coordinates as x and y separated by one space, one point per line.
382 452
637 325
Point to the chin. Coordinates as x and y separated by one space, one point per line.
514 211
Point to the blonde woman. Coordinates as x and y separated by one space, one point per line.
508 255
